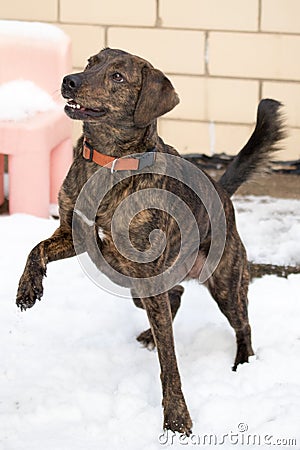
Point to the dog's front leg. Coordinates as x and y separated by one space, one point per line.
58 246
176 415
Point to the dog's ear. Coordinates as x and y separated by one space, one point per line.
157 97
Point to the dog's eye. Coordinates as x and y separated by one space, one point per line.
117 77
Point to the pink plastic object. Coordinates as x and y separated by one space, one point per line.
1 179
39 148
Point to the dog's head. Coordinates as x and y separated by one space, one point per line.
118 87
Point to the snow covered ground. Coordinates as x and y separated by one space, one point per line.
73 377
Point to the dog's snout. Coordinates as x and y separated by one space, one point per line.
72 82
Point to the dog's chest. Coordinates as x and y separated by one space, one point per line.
119 209
126 215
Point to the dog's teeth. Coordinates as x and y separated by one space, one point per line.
73 105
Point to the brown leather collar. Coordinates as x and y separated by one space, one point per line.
136 162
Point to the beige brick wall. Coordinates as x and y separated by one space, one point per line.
260 55
222 57
210 14
46 10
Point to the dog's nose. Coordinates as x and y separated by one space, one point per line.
72 82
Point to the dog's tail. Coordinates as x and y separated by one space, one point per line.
268 132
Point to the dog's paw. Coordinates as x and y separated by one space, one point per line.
29 291
178 419
146 339
244 351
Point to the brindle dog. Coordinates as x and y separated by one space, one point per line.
118 97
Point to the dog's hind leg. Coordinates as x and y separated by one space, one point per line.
229 286
176 415
58 246
146 337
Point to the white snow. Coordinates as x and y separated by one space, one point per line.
31 30
22 99
73 377
273 232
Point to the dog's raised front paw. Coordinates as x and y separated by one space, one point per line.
28 292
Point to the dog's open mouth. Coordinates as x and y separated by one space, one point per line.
77 111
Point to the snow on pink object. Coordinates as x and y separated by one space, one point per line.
34 51
21 99
38 146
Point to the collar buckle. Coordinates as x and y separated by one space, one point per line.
146 159
112 169
91 150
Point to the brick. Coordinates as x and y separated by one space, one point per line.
165 49
230 139
212 15
221 100
192 95
186 137
250 55
289 95
46 10
291 150
203 137
105 12
280 15
86 40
